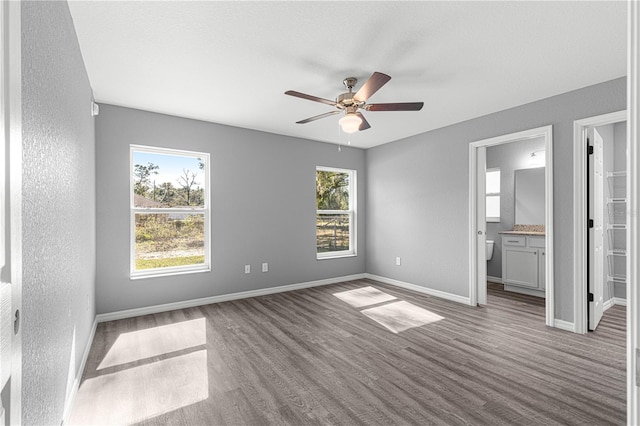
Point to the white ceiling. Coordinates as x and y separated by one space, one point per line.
231 62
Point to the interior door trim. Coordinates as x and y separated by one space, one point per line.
580 193
547 133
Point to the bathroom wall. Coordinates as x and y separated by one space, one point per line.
508 157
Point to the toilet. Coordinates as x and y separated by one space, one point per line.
489 249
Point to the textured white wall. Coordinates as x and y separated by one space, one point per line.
418 192
58 210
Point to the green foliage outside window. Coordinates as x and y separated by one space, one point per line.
332 190
333 230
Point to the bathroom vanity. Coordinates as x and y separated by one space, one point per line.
523 248
523 262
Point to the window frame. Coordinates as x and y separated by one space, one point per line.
205 211
495 219
351 212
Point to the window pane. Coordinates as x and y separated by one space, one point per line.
332 190
493 206
332 232
165 180
493 182
168 239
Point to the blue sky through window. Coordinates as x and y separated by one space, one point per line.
171 167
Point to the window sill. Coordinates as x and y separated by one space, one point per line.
157 273
493 219
336 256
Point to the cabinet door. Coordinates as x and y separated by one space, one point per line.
520 267
542 268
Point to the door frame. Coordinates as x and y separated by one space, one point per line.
545 132
580 249
11 75
633 205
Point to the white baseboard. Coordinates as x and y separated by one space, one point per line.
619 301
495 279
437 293
129 313
523 290
564 325
76 382
608 304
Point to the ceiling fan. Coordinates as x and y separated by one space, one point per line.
350 103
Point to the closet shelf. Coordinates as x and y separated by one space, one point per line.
617 174
617 278
614 226
620 200
617 252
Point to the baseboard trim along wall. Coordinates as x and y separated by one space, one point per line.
619 301
614 301
130 313
437 293
608 304
564 325
495 279
78 376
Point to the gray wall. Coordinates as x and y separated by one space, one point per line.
418 193
58 210
263 208
508 157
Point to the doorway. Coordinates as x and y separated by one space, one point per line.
542 268
10 214
600 205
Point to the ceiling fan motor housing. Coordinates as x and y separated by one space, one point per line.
345 100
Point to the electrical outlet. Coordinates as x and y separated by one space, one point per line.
247 269
398 261
265 267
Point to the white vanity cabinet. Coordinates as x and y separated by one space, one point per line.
523 263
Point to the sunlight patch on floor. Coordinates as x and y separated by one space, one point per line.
161 340
142 392
400 316
364 296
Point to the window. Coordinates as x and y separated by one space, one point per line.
493 195
169 211
335 212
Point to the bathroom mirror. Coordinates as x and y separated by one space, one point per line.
529 196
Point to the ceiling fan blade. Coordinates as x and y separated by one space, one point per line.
365 124
403 106
371 86
317 117
309 97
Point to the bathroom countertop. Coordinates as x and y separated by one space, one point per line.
536 233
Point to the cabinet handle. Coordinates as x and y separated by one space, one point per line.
512 241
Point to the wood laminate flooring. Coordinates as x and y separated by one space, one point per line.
328 355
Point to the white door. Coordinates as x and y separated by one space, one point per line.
481 223
596 233
10 213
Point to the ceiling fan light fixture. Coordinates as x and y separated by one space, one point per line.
350 123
